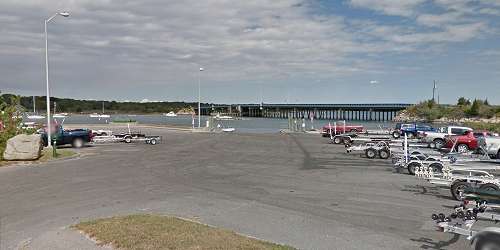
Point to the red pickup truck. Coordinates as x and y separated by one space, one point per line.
463 143
327 129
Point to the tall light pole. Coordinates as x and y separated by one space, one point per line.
64 14
199 97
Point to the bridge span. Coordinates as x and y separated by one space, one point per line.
360 112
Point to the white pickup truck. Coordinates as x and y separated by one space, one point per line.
437 140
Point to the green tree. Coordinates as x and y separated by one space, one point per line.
9 123
462 101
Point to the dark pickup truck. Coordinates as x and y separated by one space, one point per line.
76 137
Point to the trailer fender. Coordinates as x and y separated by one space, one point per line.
490 234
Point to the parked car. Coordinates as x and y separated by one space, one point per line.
492 146
462 143
327 129
75 137
437 138
410 129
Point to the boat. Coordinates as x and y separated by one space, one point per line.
170 114
58 115
223 117
35 116
228 129
102 115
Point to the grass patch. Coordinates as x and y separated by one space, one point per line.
138 232
61 153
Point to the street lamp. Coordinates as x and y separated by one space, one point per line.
64 14
199 97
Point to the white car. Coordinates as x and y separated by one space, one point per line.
492 146
437 140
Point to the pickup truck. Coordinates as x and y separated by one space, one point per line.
327 129
75 137
410 129
436 139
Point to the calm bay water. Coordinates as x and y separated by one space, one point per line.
246 125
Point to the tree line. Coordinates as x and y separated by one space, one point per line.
67 105
465 108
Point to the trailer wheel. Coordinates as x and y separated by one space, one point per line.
439 143
384 153
152 142
489 187
457 188
337 140
128 139
488 241
498 154
436 167
346 140
412 166
370 153
396 134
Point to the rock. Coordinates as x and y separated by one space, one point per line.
23 147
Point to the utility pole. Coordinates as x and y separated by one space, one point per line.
434 91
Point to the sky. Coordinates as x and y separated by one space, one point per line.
286 51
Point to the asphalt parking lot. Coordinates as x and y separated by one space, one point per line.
292 189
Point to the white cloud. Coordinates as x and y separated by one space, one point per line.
389 7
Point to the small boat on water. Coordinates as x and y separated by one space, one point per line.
223 117
102 115
35 116
170 114
58 115
228 129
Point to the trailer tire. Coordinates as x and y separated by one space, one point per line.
337 140
346 140
384 153
152 142
370 153
458 187
487 241
77 143
436 167
412 166
396 134
498 155
127 139
489 187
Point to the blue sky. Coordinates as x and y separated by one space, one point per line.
295 51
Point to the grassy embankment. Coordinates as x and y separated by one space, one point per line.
137 232
478 114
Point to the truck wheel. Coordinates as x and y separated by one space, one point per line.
462 148
370 153
457 188
127 139
489 187
77 143
412 167
487 242
396 134
384 153
439 143
436 167
337 140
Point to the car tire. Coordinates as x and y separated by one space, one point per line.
412 166
489 187
457 187
77 143
396 134
384 153
439 143
462 148
370 153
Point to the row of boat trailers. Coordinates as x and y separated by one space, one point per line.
471 178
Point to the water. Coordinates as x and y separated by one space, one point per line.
246 125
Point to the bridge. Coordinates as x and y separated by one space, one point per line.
360 112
